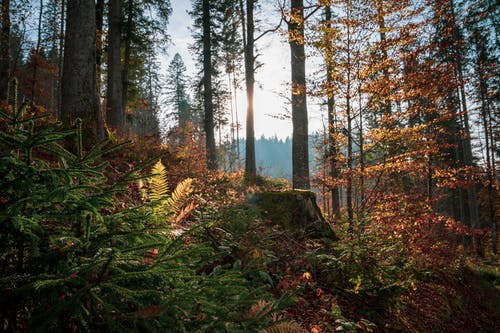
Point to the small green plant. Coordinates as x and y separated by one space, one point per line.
168 206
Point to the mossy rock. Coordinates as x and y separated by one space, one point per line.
295 210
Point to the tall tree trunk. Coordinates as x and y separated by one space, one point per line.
79 90
114 109
489 169
129 30
60 59
386 107
330 102
235 86
36 53
232 150
207 89
300 152
250 166
466 141
361 146
99 19
349 183
5 51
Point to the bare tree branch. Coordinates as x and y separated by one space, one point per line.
272 30
316 8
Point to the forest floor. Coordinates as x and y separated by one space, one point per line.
231 253
337 280
330 294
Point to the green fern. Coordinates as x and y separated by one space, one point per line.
263 309
290 326
173 205
178 198
158 182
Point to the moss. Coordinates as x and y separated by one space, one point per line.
295 210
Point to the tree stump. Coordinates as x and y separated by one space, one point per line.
295 210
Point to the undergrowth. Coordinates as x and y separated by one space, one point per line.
91 241
75 258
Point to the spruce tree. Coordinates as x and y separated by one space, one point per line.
176 86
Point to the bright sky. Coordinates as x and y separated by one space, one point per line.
271 78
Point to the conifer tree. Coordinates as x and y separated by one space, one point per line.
222 47
144 35
480 27
5 50
450 43
177 96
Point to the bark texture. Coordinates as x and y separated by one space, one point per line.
250 165
207 89
330 102
300 152
114 109
5 50
79 88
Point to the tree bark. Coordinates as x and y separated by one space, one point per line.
250 165
129 30
5 51
60 58
36 54
332 141
99 20
79 89
211 153
481 65
300 152
386 107
466 141
114 109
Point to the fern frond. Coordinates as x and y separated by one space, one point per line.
185 212
257 310
290 326
179 196
158 184
263 308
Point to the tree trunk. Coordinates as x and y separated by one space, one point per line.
332 141
5 51
129 30
481 65
114 109
349 183
300 152
60 59
466 141
36 54
386 107
207 89
79 90
99 18
250 166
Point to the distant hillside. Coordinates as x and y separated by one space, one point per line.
274 156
